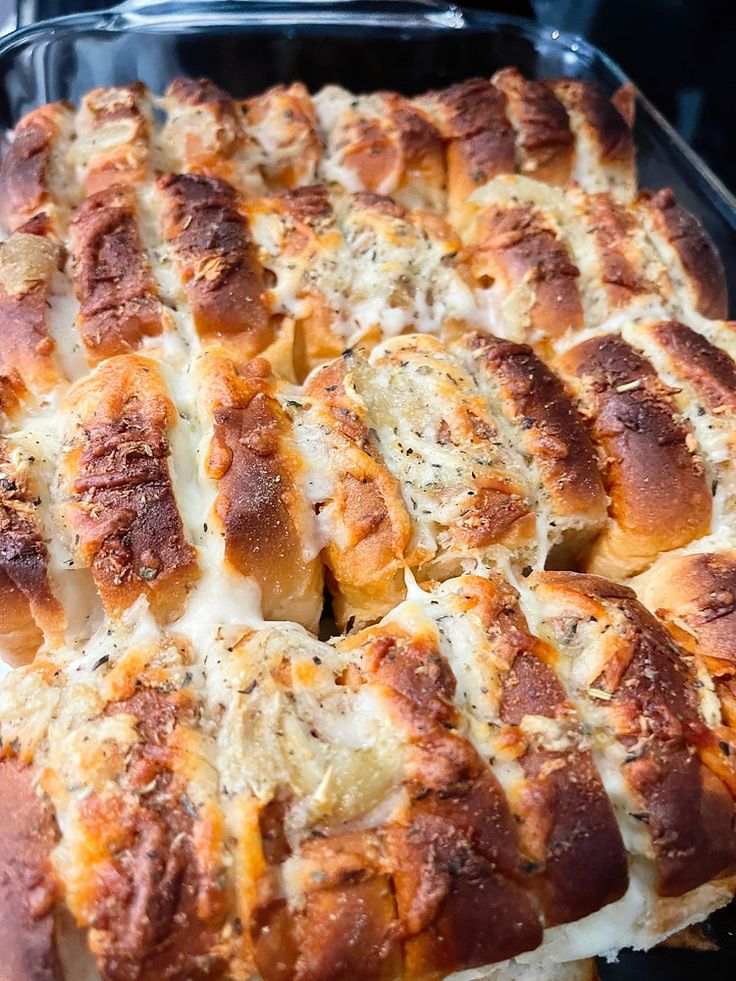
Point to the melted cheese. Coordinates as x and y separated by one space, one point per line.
402 275
274 708
412 389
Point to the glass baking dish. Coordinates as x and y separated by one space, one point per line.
247 45
407 45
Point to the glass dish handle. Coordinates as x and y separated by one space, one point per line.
410 12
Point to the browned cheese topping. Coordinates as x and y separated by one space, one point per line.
367 537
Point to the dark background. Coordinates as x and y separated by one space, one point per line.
682 55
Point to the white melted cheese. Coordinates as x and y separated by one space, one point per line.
336 109
402 276
179 340
389 274
325 268
411 388
220 597
64 188
320 454
334 746
63 309
37 447
195 134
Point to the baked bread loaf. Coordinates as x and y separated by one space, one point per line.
367 539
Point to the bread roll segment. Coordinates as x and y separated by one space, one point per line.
27 889
693 594
113 145
361 513
461 483
205 134
283 123
33 171
128 778
637 689
30 613
544 139
654 477
118 499
301 247
456 817
382 144
119 303
529 398
573 853
686 248
28 262
259 505
604 144
365 367
517 251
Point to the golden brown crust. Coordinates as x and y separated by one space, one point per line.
120 109
565 821
650 699
347 924
624 99
155 912
13 393
24 173
118 298
700 263
27 889
604 141
546 423
543 135
696 597
601 115
283 122
28 262
709 369
368 551
259 502
29 611
471 118
612 226
455 859
217 262
659 498
384 144
516 247
203 92
121 502
309 206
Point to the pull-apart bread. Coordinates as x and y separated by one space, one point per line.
367 539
